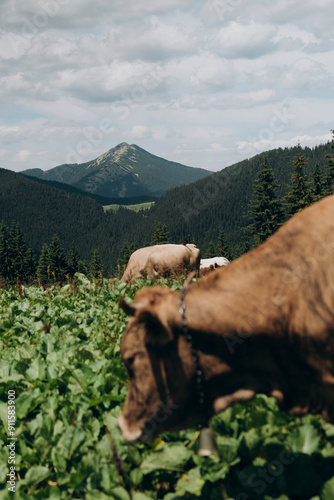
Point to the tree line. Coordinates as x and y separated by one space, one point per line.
18 262
268 212
225 214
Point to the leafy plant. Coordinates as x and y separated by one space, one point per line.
60 353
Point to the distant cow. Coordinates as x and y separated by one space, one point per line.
162 260
208 265
264 324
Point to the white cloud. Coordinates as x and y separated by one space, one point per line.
23 155
212 73
138 132
197 82
245 40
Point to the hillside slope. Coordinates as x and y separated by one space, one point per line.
222 200
42 211
123 171
197 212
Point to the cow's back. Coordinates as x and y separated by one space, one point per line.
137 262
161 260
170 258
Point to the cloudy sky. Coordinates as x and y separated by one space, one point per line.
204 83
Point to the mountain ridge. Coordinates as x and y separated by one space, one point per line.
123 171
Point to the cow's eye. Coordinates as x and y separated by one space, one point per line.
129 362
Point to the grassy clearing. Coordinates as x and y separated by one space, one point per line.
136 208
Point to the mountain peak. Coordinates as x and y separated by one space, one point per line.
124 171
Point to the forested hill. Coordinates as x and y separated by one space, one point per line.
42 211
222 200
102 200
198 212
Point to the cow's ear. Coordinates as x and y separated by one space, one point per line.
152 310
129 309
157 329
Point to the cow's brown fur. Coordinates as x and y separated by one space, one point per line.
263 324
162 260
207 270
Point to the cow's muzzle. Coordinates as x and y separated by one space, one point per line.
129 435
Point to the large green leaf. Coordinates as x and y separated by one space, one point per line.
190 482
304 439
327 492
172 458
36 474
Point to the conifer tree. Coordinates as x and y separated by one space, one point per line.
6 269
18 253
30 265
222 248
265 210
58 264
83 267
246 246
329 181
299 195
96 265
43 268
211 250
125 254
160 234
73 261
317 186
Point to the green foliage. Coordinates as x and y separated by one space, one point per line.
211 250
96 265
57 259
16 260
73 261
218 248
160 234
266 211
329 181
222 247
83 267
43 268
125 254
60 352
318 188
136 207
299 195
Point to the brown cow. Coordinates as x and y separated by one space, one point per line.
162 260
263 324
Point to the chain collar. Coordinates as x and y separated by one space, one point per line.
189 338
206 441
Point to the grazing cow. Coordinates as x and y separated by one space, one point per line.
162 260
208 265
264 324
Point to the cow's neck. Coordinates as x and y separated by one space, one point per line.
246 347
223 306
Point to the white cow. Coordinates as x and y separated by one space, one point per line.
211 264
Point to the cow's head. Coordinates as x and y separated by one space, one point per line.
161 393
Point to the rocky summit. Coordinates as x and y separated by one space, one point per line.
122 172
